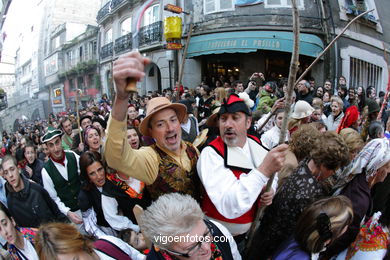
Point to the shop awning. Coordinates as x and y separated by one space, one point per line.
251 41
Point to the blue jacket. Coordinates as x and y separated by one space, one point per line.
291 250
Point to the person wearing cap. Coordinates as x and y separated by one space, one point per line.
300 115
267 98
60 176
337 114
167 166
234 168
78 145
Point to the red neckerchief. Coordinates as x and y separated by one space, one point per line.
61 160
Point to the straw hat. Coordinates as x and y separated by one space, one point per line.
156 105
212 121
201 138
302 109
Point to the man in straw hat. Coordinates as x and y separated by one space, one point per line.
170 164
234 169
60 176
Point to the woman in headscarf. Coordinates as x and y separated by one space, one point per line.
350 119
371 166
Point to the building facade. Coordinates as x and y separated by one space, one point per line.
80 68
128 24
232 39
361 52
61 22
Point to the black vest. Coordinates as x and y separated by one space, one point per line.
67 190
191 136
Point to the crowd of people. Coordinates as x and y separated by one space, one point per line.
183 174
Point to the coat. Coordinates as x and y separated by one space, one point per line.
32 206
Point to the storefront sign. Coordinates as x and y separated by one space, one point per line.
245 43
174 46
251 41
173 8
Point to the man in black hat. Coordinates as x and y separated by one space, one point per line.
60 176
234 169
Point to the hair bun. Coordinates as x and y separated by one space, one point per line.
323 226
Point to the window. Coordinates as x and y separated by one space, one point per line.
215 6
364 74
81 53
151 15
69 58
126 26
281 3
108 36
356 7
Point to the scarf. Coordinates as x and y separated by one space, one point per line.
124 187
372 237
373 156
61 160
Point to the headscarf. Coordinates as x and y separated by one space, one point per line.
350 117
373 156
86 132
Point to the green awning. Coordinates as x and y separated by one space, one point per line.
251 41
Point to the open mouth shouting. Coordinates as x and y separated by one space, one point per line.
171 139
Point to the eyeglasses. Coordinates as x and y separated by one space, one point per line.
206 238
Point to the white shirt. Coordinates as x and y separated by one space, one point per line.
130 251
187 126
270 139
49 185
91 226
29 250
111 214
232 197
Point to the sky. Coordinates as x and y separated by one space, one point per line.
19 15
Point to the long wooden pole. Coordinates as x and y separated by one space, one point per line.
291 79
77 114
282 137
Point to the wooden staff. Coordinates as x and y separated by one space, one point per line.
388 84
77 114
266 120
291 79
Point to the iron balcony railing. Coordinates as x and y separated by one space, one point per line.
123 43
151 33
105 10
115 3
106 51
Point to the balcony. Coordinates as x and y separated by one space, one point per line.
116 3
150 34
106 51
105 10
123 43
